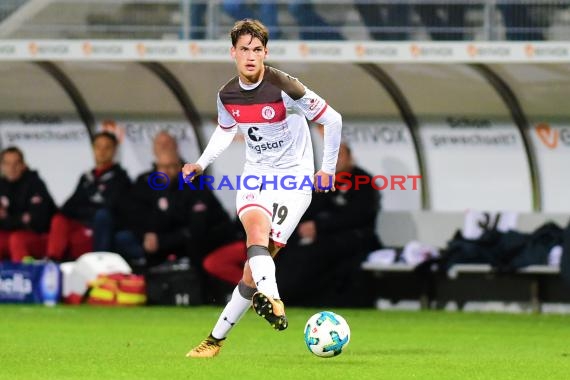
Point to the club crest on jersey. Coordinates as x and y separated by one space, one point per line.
267 112
249 196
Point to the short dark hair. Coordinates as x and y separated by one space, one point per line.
12 149
109 135
251 27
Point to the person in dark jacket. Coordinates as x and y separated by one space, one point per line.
86 221
162 220
26 208
321 267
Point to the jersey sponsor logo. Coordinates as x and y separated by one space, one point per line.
251 134
267 112
260 148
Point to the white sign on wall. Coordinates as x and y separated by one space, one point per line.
385 148
290 51
551 146
475 163
57 147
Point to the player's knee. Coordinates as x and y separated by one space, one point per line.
257 235
247 279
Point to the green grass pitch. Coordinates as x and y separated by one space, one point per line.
85 342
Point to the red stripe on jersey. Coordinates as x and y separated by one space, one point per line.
256 205
320 113
257 113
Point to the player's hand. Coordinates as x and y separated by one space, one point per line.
324 182
150 242
190 171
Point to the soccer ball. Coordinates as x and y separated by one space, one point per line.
326 334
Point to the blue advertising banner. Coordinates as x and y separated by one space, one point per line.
38 282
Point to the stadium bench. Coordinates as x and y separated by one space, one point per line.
534 284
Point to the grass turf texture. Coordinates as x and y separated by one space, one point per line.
38 342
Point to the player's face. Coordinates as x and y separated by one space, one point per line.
249 54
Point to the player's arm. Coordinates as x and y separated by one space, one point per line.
219 141
332 122
317 110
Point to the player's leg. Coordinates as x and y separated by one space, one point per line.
266 302
288 208
235 309
270 308
240 301
257 227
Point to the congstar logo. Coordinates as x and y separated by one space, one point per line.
251 134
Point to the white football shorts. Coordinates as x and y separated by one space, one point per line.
284 209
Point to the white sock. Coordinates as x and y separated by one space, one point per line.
232 313
263 273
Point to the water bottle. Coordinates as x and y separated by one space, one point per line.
50 284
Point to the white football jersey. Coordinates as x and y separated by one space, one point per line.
272 115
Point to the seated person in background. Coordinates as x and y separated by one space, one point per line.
165 142
226 262
86 221
322 267
26 208
161 221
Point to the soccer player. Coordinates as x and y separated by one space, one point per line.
271 109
